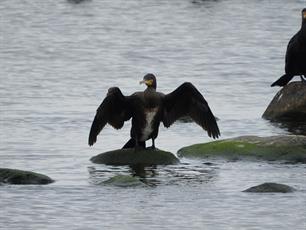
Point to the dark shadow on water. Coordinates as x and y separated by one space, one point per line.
152 176
296 128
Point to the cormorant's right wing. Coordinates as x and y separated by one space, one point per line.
114 110
186 100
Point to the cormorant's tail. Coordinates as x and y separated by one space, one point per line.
132 143
283 80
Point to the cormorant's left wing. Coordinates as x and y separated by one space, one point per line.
186 100
114 110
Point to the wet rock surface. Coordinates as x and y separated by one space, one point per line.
289 104
133 157
15 176
270 188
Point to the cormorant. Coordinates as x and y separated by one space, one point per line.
295 56
148 108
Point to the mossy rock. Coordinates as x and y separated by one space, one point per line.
135 157
291 149
15 176
270 187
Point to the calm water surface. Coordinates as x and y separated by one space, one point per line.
57 60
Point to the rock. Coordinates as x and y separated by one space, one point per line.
291 149
289 104
270 187
77 1
132 157
124 181
15 176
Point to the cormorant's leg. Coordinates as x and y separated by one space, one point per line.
153 143
142 144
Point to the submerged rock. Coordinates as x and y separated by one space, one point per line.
291 149
270 187
289 104
77 1
124 181
15 176
132 157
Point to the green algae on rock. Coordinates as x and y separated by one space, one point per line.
133 157
270 188
15 176
291 149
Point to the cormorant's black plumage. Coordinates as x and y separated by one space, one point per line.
148 108
295 56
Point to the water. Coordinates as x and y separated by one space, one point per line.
57 60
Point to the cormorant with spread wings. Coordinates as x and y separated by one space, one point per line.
148 108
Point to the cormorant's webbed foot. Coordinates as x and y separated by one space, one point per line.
153 145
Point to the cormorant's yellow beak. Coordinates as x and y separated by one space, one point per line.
304 15
147 82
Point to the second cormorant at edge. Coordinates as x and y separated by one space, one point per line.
295 56
148 108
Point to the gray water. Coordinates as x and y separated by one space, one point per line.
57 60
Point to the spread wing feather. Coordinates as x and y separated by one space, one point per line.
186 100
113 110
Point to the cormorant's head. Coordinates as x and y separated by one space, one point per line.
150 80
304 15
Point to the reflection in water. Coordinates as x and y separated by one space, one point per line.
296 128
147 174
157 175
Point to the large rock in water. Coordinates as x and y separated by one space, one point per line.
289 104
291 149
15 176
270 187
132 157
